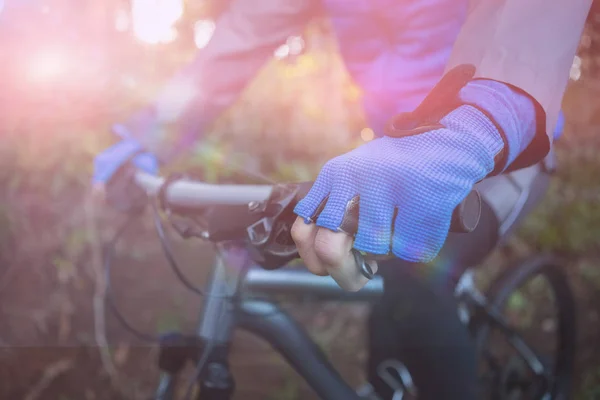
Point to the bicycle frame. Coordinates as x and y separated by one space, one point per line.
237 298
233 302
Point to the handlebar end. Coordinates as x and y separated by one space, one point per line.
465 217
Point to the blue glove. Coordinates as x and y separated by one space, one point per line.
408 187
111 159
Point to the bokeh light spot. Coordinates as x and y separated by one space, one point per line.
367 134
203 31
153 20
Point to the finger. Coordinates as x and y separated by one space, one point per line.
420 234
304 236
374 234
334 249
307 207
338 204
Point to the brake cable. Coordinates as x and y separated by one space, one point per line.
109 253
165 244
110 250
169 255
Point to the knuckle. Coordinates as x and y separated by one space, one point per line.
410 172
327 248
329 165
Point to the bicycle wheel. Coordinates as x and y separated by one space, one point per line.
416 342
543 374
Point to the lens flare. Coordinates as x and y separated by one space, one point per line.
296 44
575 72
47 66
154 20
122 21
367 134
292 47
203 31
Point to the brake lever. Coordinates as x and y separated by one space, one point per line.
276 221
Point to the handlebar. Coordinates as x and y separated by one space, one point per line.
189 194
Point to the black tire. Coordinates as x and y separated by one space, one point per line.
511 280
418 325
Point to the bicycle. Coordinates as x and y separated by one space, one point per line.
258 218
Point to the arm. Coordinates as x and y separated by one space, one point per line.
449 142
527 43
245 37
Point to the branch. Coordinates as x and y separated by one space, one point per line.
100 288
51 372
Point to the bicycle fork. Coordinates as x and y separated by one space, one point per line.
215 327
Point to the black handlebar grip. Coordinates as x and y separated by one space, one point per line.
465 217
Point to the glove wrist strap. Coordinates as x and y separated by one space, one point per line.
444 98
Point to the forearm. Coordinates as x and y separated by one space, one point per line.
244 39
527 43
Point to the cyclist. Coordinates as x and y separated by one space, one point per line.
431 158
441 165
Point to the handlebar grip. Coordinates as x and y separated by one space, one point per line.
466 215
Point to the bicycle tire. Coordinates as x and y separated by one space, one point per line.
511 280
416 323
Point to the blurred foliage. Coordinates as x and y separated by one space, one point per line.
591 386
569 219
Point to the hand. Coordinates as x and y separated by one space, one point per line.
407 189
110 160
